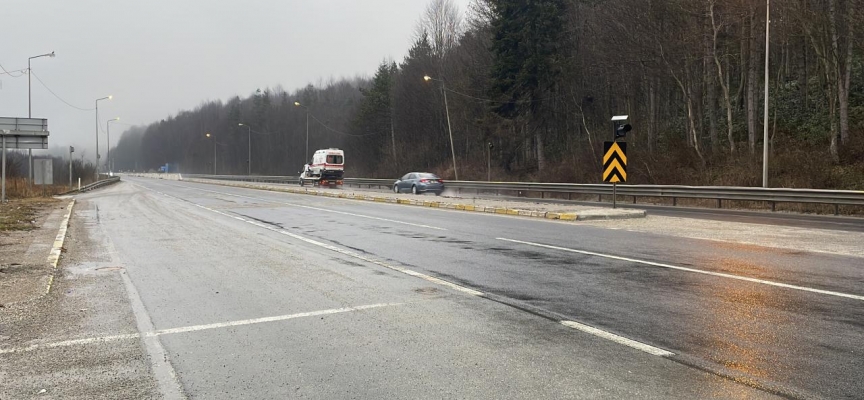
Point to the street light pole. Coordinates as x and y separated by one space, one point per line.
249 159
449 129
97 135
765 122
209 136
30 115
108 131
297 103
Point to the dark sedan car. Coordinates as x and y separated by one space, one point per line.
419 182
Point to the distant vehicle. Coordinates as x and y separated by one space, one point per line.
327 168
419 182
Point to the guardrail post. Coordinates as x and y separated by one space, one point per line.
569 195
773 206
719 203
599 198
836 209
634 199
542 194
674 201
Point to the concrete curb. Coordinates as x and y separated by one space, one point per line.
427 203
57 248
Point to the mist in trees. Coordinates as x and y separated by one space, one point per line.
541 79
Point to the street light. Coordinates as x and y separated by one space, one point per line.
765 122
97 134
108 130
209 136
249 159
30 115
428 78
297 103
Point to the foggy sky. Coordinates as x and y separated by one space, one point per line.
157 57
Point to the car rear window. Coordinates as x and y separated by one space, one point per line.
334 159
428 176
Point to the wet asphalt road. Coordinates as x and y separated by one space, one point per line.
194 263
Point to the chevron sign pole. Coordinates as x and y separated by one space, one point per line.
614 165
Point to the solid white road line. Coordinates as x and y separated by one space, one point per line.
618 339
572 324
160 364
268 319
697 271
324 210
194 328
352 254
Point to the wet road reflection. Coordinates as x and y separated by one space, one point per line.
747 329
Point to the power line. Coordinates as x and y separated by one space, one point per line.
58 97
5 72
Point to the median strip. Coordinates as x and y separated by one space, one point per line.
560 216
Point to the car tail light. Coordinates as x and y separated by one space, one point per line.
440 181
424 180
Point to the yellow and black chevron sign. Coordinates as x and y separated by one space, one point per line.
614 162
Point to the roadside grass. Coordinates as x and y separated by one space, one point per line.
21 214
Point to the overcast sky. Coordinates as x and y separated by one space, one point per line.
157 57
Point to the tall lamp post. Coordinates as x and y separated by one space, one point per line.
209 136
249 158
108 131
297 103
30 115
765 122
428 78
97 134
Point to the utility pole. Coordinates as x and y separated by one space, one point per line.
71 150
765 121
449 129
96 173
489 162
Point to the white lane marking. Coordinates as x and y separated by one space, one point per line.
572 324
160 365
698 271
269 319
324 210
193 328
618 339
352 254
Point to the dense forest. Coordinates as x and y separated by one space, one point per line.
533 84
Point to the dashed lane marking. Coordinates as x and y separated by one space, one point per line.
617 339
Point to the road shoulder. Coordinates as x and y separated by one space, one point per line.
88 299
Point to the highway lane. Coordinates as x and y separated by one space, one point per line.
234 307
781 338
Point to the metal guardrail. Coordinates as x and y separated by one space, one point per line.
674 192
95 185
